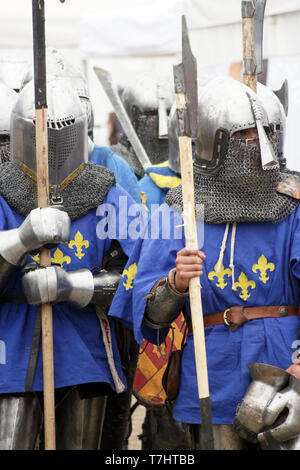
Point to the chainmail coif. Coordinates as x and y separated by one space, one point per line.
85 192
241 192
125 150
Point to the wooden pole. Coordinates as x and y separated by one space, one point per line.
249 74
43 201
190 229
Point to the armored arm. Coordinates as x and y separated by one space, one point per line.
54 285
42 226
81 287
164 302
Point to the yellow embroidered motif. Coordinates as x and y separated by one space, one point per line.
78 243
220 275
130 273
163 181
144 199
59 258
263 266
244 284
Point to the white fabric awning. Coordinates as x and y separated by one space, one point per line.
151 29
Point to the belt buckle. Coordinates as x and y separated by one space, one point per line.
225 316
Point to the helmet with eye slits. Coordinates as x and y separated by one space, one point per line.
67 130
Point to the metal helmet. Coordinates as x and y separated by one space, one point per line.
8 98
58 67
148 103
226 106
174 155
12 69
276 117
67 130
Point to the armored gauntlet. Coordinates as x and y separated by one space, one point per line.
42 226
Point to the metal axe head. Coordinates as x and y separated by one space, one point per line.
258 25
185 80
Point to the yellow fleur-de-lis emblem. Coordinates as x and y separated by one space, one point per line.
130 273
244 285
263 266
59 258
220 275
79 243
144 200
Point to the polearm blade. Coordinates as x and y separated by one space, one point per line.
162 114
252 19
283 95
186 92
112 94
259 14
253 12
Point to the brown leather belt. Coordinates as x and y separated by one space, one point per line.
237 316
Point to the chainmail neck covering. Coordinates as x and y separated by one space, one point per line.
5 151
85 192
241 192
146 127
124 149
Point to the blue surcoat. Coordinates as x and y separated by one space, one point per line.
266 258
79 353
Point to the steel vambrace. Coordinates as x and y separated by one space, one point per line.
164 303
54 285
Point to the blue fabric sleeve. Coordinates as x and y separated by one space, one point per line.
295 246
124 174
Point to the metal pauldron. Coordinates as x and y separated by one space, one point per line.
270 410
164 302
284 411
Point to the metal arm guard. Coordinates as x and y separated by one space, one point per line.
54 285
41 226
164 303
105 286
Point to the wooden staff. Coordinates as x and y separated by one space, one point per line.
41 135
252 26
249 69
185 78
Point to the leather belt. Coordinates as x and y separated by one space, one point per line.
234 317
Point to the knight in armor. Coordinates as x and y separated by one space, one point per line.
162 177
59 67
249 263
148 102
88 256
8 99
160 430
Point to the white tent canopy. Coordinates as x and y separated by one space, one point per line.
143 36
